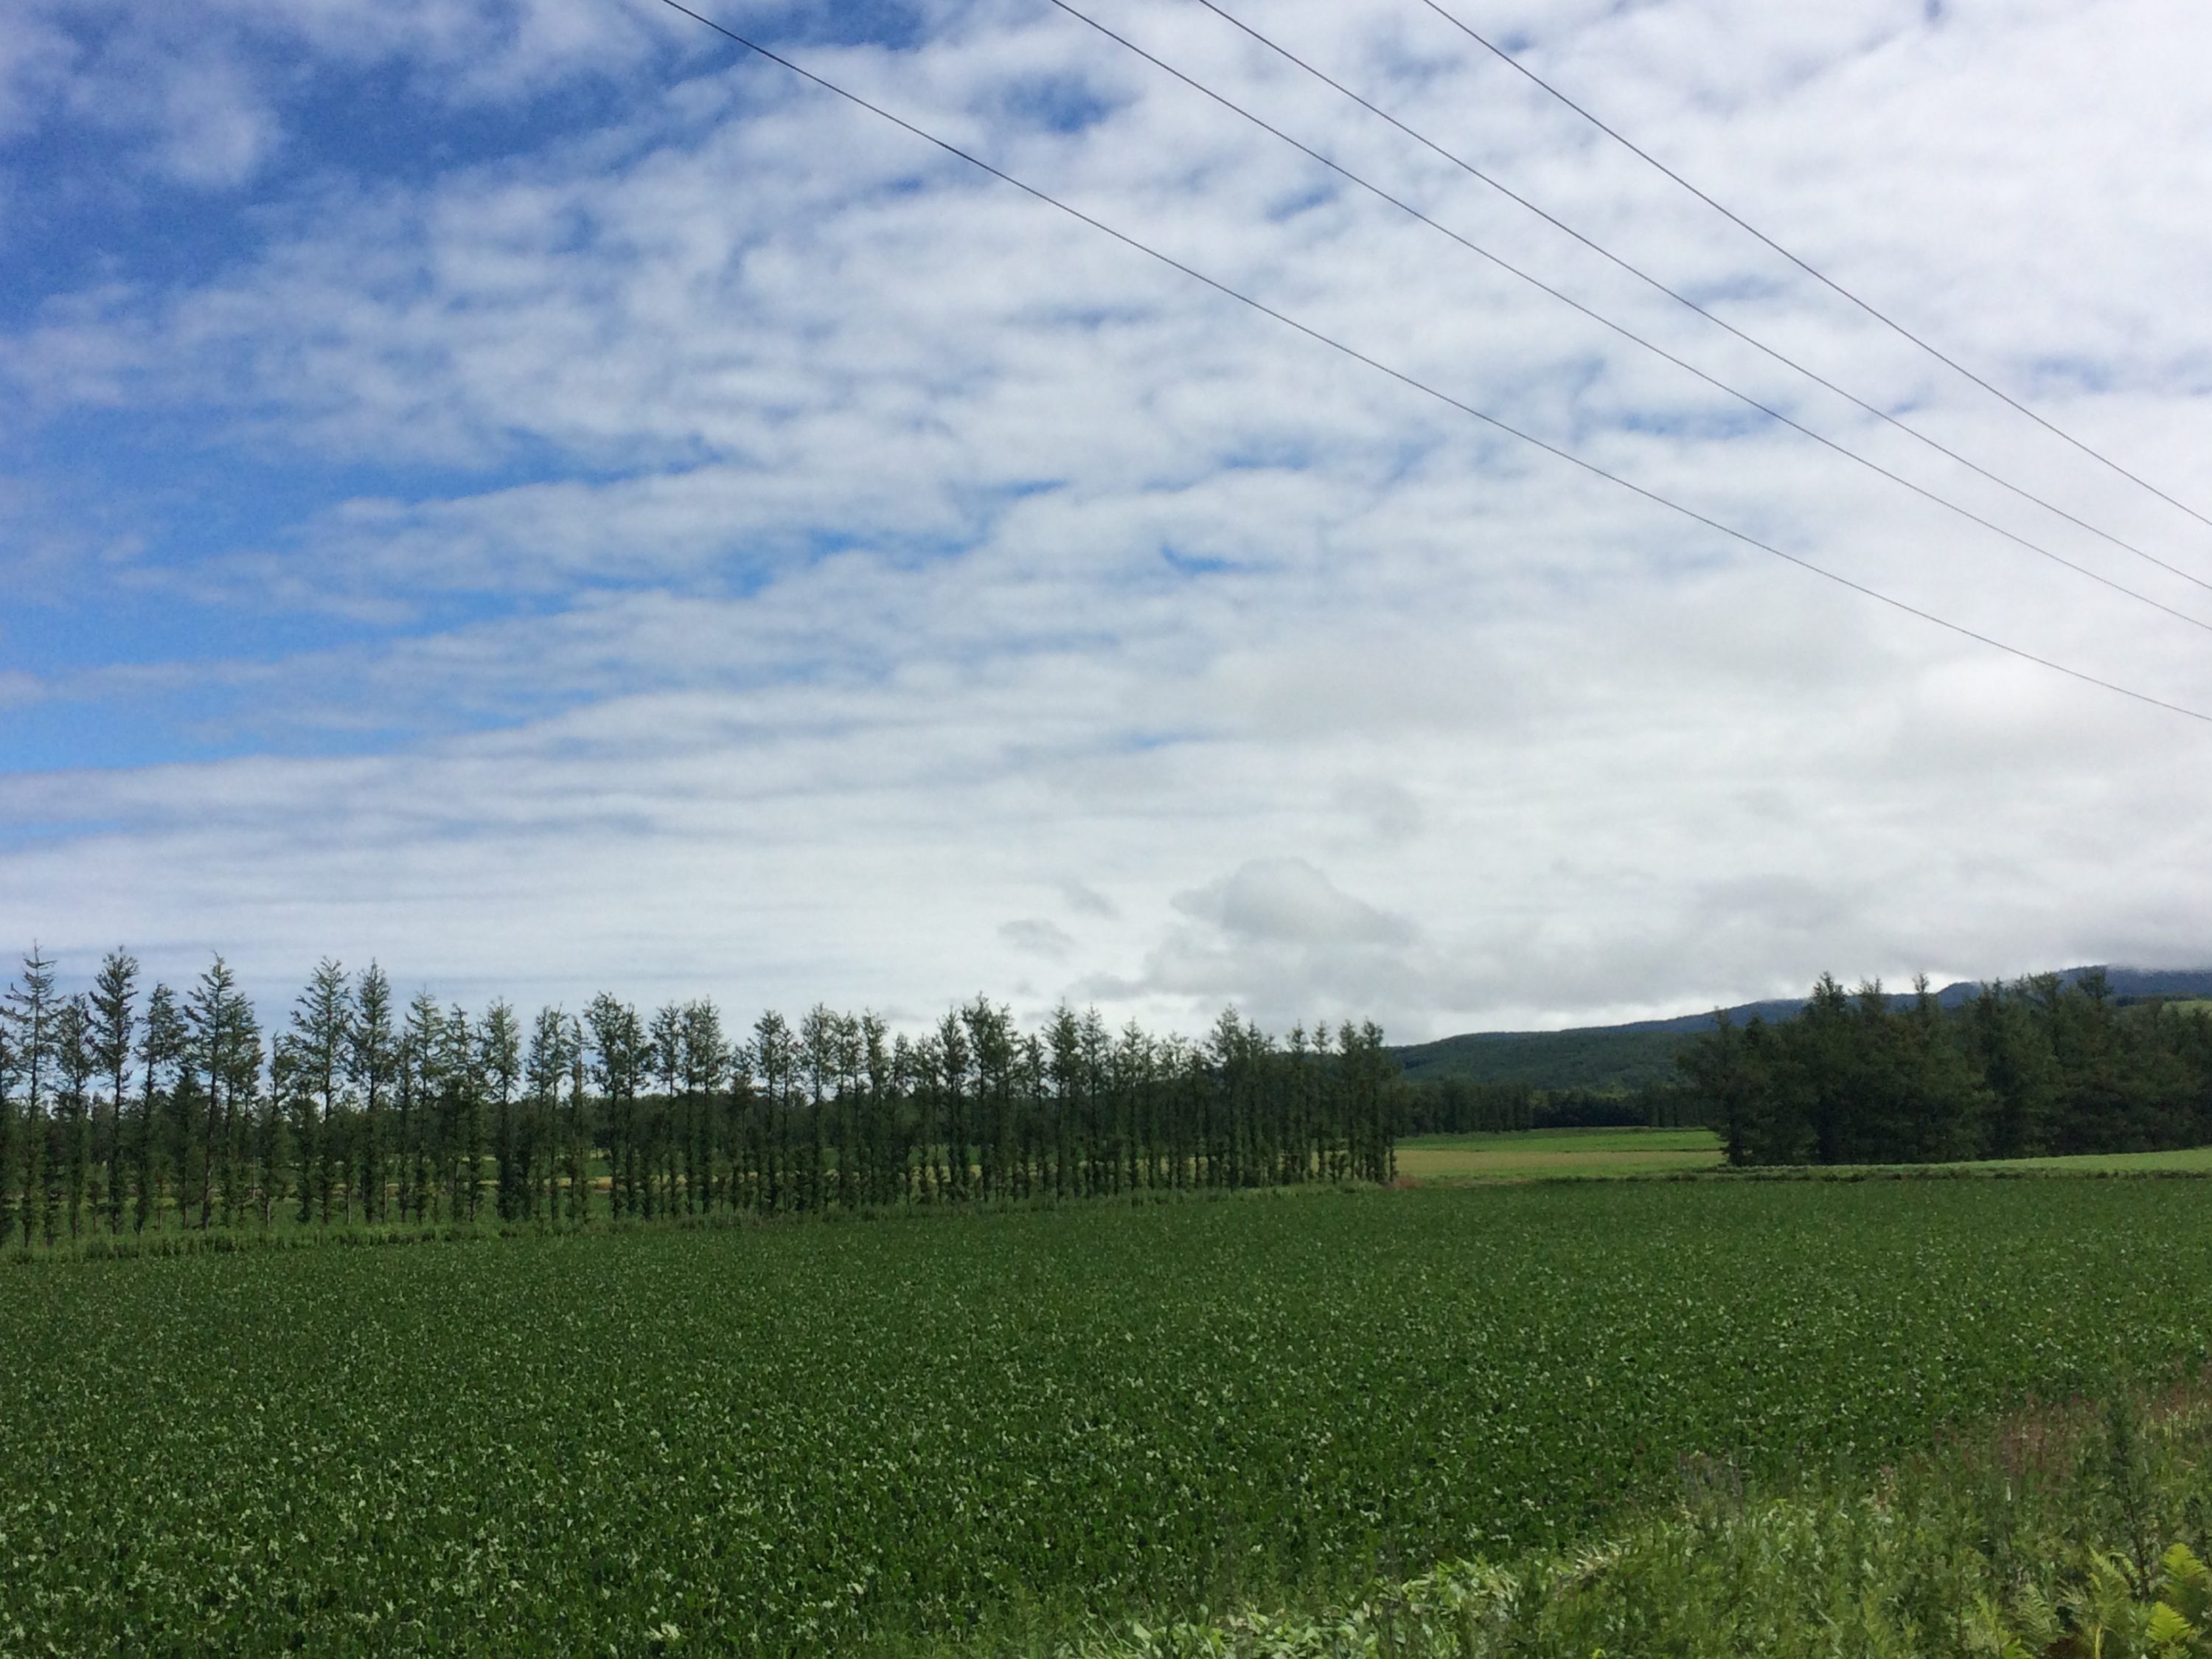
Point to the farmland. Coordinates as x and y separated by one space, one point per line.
1557 1154
868 1435
1573 1154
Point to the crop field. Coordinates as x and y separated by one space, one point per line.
1556 1154
1569 1154
888 1435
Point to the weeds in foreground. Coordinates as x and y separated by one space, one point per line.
2064 1532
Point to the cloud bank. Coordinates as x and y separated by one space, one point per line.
526 494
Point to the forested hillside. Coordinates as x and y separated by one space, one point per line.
122 1113
1598 1057
1623 1059
2040 1067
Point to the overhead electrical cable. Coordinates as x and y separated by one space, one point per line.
1805 265
1682 298
1904 606
1628 334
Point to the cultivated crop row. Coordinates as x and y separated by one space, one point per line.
839 1438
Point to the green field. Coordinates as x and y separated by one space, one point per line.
1570 1154
1556 1154
793 1437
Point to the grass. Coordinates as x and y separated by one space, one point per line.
1007 1429
1569 1154
2192 1160
1556 1154
2065 1531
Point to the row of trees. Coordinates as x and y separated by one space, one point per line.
1459 1105
122 1112
2037 1067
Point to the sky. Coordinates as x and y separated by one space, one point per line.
530 493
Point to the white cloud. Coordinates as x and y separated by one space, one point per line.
876 587
1034 937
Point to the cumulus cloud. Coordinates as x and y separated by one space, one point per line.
710 541
1036 937
1278 938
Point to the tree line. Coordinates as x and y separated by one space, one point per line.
1463 1105
122 1112
2035 1067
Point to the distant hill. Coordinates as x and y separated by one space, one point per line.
1607 1057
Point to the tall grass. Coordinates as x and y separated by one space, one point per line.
2073 1531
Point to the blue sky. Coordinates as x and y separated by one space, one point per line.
520 491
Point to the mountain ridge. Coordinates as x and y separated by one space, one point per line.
1638 1052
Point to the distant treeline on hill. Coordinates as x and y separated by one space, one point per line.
1607 1061
2039 1066
1455 1105
120 1112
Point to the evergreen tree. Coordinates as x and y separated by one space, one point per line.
420 1081
69 1163
499 1061
841 1115
32 1006
321 1042
114 1009
705 1069
162 1053
618 1054
665 1052
226 1042
578 1128
539 1155
8 1131
275 1171
954 1062
818 1045
776 1060
372 1059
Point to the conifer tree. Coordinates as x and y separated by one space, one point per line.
227 1053
8 1131
538 1155
841 1115
706 1066
162 1051
578 1128
777 1062
954 1060
846 1053
618 1058
883 1155
421 1082
499 1062
30 1009
68 1164
114 1009
322 1025
275 1170
371 1054
664 1045
818 1054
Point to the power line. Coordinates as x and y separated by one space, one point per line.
1440 396
1630 335
1682 298
1826 281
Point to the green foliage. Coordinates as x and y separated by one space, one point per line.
2040 1068
1599 1058
1973 1552
355 1108
866 1436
